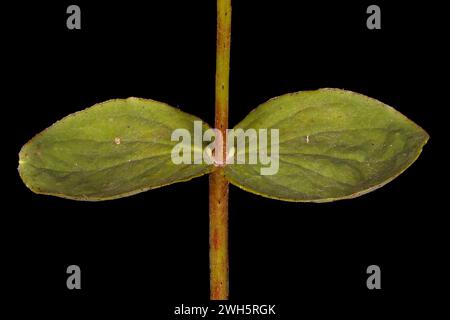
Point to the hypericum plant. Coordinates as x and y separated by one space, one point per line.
333 144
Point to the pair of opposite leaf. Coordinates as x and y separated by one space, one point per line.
333 144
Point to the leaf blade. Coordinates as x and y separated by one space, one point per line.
334 144
111 150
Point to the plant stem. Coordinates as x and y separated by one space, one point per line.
218 184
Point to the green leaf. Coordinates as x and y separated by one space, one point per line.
333 144
114 149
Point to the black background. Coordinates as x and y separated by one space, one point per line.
149 252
